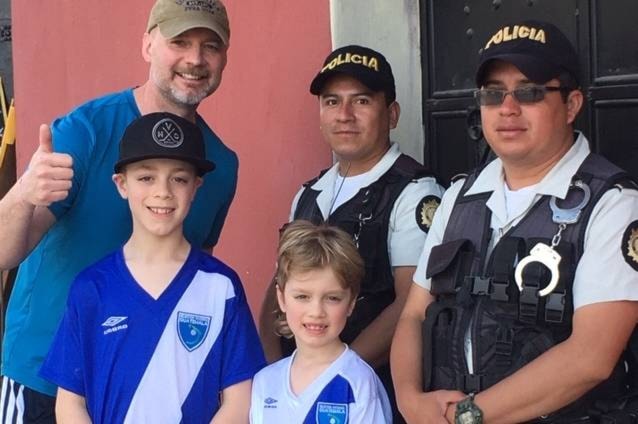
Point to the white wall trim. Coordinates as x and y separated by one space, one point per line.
391 27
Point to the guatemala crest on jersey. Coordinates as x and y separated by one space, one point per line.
332 413
192 329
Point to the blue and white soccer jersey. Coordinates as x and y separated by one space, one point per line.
142 360
348 391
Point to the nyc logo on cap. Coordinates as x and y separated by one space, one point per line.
332 413
192 329
167 133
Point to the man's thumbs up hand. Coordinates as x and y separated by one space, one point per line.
48 178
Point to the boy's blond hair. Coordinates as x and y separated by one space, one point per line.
304 246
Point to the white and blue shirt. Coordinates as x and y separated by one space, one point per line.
136 359
348 391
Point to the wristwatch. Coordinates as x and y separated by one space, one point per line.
467 412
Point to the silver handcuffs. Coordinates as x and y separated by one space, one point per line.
545 254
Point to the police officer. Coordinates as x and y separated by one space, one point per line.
383 198
526 293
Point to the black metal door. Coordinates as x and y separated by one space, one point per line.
604 34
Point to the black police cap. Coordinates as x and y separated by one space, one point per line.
538 49
364 64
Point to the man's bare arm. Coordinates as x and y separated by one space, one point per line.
373 343
568 370
406 365
24 213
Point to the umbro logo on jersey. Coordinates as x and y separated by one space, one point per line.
114 324
270 403
112 321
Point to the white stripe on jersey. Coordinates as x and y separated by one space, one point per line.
172 370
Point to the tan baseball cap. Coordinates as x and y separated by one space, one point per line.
173 17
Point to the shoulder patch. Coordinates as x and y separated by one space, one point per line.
424 212
629 245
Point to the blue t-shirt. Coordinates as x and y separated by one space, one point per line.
137 359
91 222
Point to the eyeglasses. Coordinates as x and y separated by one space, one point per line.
525 95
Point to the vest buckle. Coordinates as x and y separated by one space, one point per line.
499 291
471 383
528 303
555 307
504 346
480 285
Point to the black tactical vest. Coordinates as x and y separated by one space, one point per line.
508 328
366 217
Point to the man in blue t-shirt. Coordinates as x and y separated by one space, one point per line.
64 212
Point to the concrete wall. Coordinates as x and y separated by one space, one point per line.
391 27
66 52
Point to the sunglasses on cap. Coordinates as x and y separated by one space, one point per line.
525 95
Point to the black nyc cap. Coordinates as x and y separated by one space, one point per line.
366 65
538 49
163 135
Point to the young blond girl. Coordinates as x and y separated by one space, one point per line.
318 275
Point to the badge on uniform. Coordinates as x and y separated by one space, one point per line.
424 212
192 329
629 245
332 413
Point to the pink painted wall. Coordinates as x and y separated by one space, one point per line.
66 52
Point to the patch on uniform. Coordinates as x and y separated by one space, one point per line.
425 212
332 413
192 329
629 245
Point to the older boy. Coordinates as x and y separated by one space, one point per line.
157 330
